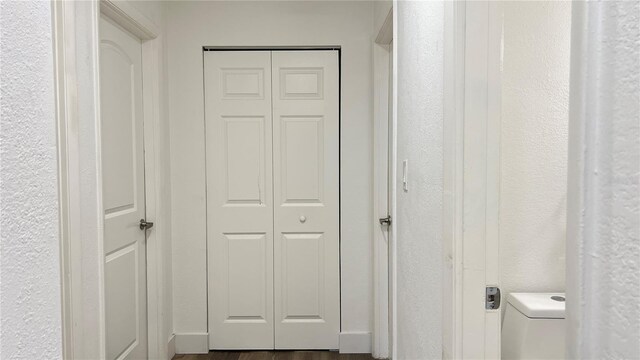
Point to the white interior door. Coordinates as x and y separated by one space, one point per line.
382 198
272 199
391 186
123 192
239 199
306 196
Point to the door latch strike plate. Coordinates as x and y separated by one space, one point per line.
492 298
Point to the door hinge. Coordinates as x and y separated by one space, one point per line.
492 298
386 221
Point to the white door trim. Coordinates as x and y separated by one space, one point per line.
472 183
382 165
77 112
393 298
76 34
453 147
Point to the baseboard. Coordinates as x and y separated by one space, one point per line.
192 343
355 342
171 346
198 343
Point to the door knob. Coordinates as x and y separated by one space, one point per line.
386 221
144 225
303 219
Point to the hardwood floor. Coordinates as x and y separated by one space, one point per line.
274 355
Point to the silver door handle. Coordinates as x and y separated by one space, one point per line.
386 221
144 225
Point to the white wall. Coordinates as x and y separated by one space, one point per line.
420 79
603 212
534 140
30 308
192 25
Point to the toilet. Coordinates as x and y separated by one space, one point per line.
534 326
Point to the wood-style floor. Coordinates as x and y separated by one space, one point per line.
274 355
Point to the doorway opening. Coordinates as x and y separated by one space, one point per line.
272 171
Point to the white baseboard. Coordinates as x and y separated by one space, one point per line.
355 342
192 343
198 343
171 346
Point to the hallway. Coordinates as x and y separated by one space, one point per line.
319 179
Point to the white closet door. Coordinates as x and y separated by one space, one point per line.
125 268
239 199
305 167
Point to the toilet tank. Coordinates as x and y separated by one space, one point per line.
534 326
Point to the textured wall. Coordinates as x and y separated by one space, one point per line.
603 212
535 114
419 211
30 310
193 24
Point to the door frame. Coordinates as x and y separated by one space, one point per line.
76 58
453 149
472 126
384 164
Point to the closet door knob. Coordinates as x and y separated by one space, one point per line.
302 218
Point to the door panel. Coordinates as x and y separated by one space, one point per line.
246 269
244 160
306 215
383 185
303 278
302 160
123 192
239 199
